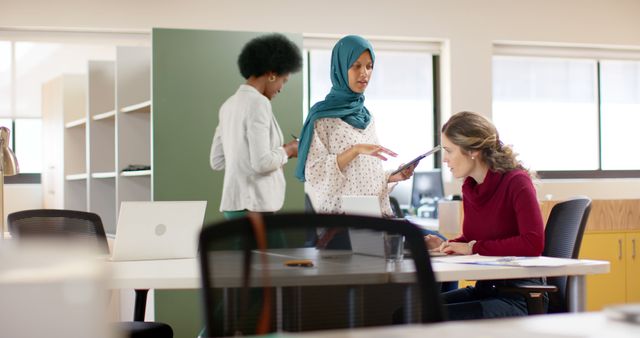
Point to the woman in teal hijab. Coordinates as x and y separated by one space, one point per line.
340 129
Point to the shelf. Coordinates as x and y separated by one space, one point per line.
76 123
76 177
104 116
136 173
108 174
142 107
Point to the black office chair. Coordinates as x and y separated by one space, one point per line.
83 226
563 236
395 207
232 305
308 206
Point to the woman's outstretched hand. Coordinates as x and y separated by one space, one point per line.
374 150
356 150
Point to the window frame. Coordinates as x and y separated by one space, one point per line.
595 53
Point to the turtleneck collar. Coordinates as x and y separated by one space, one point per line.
479 193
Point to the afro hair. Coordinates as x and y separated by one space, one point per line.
269 53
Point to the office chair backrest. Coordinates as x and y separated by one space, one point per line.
229 259
66 224
308 206
82 226
563 237
395 207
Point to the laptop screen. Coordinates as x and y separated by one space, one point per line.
158 230
361 205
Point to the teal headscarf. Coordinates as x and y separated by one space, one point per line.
341 102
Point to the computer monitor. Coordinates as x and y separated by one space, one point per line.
402 193
426 192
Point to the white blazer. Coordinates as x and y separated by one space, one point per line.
247 145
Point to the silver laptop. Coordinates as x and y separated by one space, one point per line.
366 242
158 230
361 205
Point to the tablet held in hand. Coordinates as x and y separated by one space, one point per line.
416 160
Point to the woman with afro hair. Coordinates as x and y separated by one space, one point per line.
248 143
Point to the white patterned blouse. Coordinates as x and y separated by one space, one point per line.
326 184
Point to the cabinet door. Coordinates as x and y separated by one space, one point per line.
608 288
633 267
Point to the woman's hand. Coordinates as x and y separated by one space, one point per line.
403 175
374 150
291 148
433 242
459 248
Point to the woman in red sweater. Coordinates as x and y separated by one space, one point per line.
501 214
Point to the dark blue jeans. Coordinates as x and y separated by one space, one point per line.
484 300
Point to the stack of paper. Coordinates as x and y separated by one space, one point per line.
506 260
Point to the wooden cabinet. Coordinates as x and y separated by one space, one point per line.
632 246
622 284
603 290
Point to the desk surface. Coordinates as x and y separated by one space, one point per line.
586 324
332 268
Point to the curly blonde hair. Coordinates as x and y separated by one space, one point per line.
474 132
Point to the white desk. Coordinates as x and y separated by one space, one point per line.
574 325
329 270
335 268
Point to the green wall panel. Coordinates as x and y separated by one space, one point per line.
194 72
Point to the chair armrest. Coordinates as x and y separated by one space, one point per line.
533 295
527 289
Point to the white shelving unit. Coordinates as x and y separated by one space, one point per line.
136 173
64 175
133 139
101 135
96 125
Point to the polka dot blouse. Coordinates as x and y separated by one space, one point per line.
325 183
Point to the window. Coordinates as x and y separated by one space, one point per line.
5 80
28 139
620 105
400 95
569 117
558 100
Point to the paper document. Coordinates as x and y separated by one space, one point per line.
507 260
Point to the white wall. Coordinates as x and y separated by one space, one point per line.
468 28
21 197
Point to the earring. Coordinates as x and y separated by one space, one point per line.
272 78
473 157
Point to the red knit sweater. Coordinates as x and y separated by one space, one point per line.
503 215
